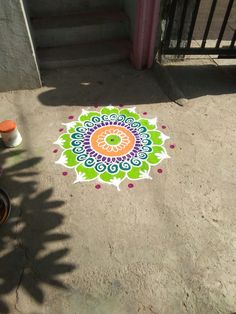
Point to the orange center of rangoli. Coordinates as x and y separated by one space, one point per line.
123 141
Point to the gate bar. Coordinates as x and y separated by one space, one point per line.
233 40
170 22
213 6
200 51
222 30
182 23
193 22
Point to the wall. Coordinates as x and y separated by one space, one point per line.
18 66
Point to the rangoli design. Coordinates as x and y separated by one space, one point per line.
112 145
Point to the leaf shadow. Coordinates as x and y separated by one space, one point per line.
27 258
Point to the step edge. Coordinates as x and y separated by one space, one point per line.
90 20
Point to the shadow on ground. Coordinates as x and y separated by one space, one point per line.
120 83
105 84
25 258
201 80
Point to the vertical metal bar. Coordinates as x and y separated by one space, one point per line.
180 33
171 16
222 30
193 22
213 6
233 40
182 23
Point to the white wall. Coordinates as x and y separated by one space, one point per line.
18 66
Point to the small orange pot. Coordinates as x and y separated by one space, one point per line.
10 134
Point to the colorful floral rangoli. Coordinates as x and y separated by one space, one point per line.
112 145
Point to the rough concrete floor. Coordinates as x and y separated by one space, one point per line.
167 246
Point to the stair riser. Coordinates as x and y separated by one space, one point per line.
54 7
46 65
88 33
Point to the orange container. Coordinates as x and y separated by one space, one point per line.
10 135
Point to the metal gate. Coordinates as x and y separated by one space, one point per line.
183 19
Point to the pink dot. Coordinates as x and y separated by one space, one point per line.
71 117
145 113
65 173
55 151
172 146
130 185
61 129
163 126
98 186
159 170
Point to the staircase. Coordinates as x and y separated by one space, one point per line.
69 33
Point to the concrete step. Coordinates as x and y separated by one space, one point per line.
55 7
80 28
83 54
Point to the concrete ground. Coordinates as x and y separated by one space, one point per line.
167 246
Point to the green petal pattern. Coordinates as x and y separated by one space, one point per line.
111 145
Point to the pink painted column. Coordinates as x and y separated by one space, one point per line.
147 19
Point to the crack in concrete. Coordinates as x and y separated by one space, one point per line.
22 247
111 252
147 307
151 309
111 249
185 306
186 300
17 288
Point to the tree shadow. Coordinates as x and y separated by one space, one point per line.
26 259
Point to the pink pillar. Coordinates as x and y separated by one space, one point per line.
147 19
